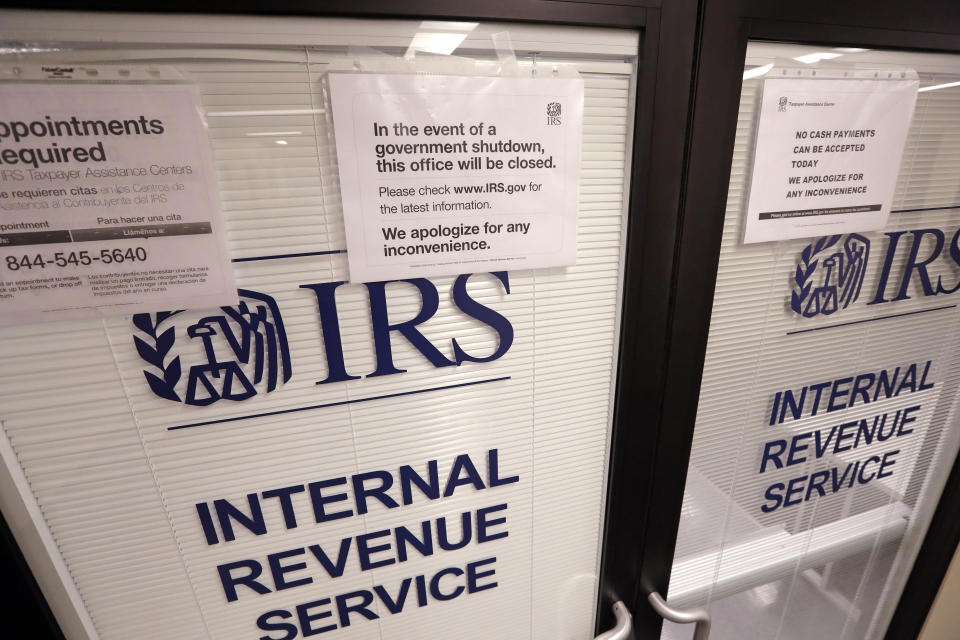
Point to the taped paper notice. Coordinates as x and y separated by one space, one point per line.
827 156
108 202
445 175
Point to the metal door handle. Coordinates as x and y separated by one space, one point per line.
699 616
624 624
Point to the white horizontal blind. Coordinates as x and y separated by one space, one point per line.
832 566
117 488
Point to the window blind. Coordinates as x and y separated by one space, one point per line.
116 487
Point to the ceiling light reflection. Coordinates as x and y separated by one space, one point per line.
810 58
757 71
439 43
436 25
939 86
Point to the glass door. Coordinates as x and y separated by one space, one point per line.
827 421
415 458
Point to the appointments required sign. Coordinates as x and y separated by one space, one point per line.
827 155
446 174
107 202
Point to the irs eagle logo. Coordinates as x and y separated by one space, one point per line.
244 351
829 275
554 110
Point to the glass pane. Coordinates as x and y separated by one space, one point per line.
828 560
133 507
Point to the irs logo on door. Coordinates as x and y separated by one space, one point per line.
829 275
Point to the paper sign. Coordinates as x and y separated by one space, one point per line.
107 202
827 156
445 175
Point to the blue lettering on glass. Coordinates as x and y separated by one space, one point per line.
317 616
383 327
322 563
390 491
829 275
826 443
246 348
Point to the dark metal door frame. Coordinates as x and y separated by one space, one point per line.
724 29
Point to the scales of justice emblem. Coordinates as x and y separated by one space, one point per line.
841 269
244 348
